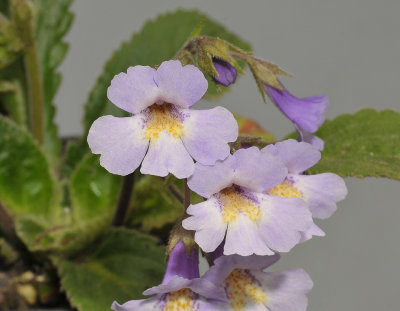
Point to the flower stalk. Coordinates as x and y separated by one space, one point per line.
125 196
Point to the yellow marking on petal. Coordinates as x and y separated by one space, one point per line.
163 118
181 300
234 203
241 289
285 190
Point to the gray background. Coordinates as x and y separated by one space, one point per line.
347 49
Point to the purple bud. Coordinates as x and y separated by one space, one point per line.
179 263
226 72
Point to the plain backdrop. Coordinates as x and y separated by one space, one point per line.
347 49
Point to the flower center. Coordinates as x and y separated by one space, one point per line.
234 203
286 190
242 289
182 299
163 118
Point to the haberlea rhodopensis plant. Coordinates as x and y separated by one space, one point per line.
122 215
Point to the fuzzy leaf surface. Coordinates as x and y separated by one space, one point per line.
53 21
120 268
363 144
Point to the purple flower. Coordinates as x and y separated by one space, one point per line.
249 288
181 288
307 114
238 208
320 192
162 132
226 72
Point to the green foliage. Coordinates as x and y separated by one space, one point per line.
26 182
158 40
93 193
53 20
154 205
364 144
119 268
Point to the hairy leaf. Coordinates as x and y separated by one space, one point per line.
27 185
364 144
119 268
154 205
94 193
53 20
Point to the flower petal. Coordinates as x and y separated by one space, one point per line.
313 231
180 86
207 180
321 192
243 238
208 223
133 305
167 155
120 141
176 283
297 156
135 90
226 72
207 133
224 265
257 171
307 137
282 221
286 290
308 113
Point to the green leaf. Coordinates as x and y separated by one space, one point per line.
119 268
159 40
364 144
93 193
154 205
53 20
27 185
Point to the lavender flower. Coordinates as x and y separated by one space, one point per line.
181 288
226 72
237 206
320 192
162 132
249 288
307 114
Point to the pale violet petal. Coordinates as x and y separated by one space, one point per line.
207 133
243 238
297 156
135 90
207 180
207 221
282 221
224 265
286 290
314 230
257 171
321 192
176 283
134 305
180 85
167 154
120 141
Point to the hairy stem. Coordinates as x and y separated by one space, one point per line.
35 90
186 201
128 184
176 193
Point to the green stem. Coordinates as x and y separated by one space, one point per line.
128 183
186 201
35 90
